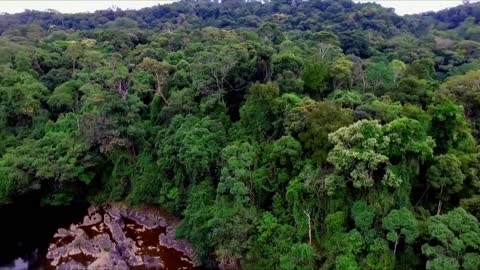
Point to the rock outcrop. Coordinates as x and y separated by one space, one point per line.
119 237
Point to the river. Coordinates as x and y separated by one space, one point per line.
26 230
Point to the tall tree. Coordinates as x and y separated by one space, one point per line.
161 72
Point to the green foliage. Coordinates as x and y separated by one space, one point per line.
411 90
258 115
197 215
65 97
449 128
356 153
276 238
341 71
422 69
238 171
284 134
189 147
363 215
313 122
465 90
370 160
401 224
56 159
379 75
453 241
315 76
446 174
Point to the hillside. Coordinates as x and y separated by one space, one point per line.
312 15
284 135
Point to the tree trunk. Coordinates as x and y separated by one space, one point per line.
395 247
423 195
160 92
131 148
73 70
439 207
76 105
309 226
365 85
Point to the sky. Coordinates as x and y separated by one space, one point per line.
401 6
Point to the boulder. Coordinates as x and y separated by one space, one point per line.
118 237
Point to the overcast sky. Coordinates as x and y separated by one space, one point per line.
72 6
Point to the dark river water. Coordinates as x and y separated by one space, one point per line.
26 230
26 233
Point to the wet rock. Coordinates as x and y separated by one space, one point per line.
74 251
103 242
115 226
153 262
168 240
56 253
108 260
61 233
118 237
92 219
90 247
71 265
92 210
148 220
114 212
128 250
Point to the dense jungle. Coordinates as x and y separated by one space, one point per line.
283 134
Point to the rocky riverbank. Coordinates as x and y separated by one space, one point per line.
115 236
